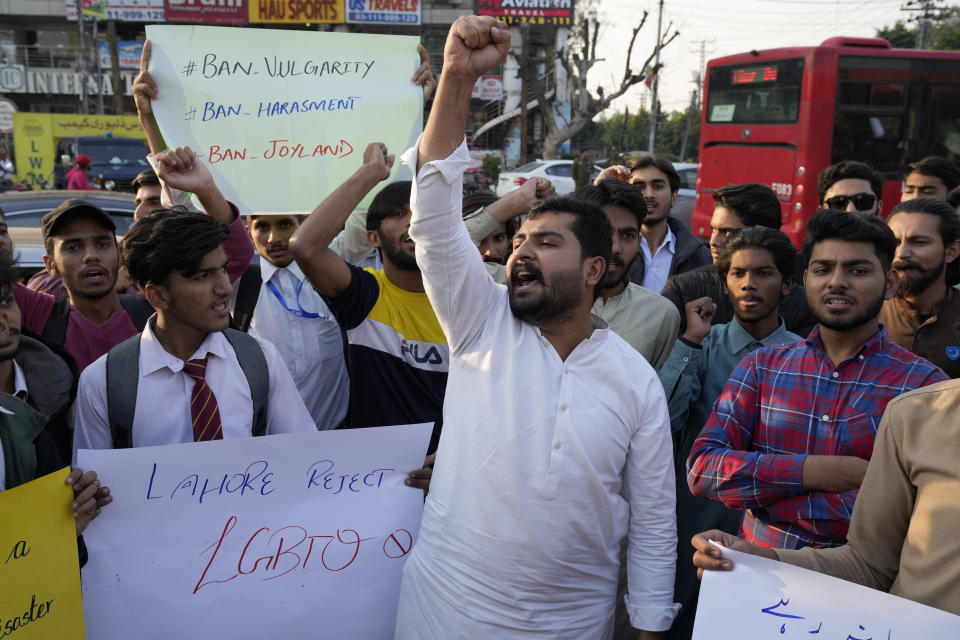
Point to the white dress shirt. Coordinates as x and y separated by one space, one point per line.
162 413
19 391
657 265
521 528
312 348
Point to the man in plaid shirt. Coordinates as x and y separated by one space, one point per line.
791 434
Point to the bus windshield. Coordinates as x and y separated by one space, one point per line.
760 93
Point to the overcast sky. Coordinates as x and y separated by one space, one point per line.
731 26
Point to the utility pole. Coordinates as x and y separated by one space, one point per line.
701 47
654 106
686 130
928 10
117 81
81 59
99 67
524 66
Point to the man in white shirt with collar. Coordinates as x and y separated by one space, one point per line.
667 246
289 313
191 386
548 414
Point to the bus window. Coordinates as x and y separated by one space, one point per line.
946 122
874 139
868 124
862 94
766 93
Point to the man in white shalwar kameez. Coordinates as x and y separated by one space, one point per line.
556 438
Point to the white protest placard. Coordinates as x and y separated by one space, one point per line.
761 599
287 536
281 117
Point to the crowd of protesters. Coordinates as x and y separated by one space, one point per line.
604 387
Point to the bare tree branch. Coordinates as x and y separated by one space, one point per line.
633 39
576 61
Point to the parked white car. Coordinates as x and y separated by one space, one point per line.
687 195
559 172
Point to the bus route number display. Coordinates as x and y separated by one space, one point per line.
753 75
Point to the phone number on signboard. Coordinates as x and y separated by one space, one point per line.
382 17
136 15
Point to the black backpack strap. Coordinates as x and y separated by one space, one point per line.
254 365
55 329
248 292
137 308
123 375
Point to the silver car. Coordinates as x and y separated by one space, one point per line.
687 195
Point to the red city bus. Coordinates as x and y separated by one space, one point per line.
779 117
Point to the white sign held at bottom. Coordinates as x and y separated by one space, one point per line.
761 599
296 535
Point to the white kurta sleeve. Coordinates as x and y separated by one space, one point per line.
454 278
650 488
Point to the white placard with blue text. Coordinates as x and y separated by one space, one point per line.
762 599
287 536
282 117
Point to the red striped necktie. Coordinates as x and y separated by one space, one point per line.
203 404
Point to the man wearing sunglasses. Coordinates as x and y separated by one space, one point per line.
851 186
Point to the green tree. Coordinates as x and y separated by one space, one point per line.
899 35
947 33
944 33
630 133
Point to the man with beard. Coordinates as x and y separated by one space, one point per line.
556 438
398 354
756 267
791 434
641 317
923 316
295 319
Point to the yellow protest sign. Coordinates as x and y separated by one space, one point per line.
35 137
39 571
